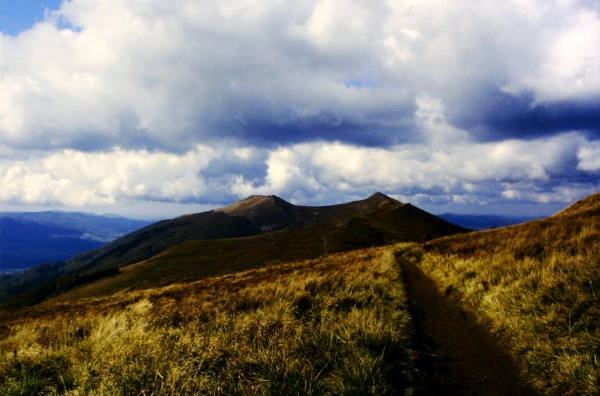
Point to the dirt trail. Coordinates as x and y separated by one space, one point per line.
454 354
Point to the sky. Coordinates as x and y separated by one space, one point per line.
156 109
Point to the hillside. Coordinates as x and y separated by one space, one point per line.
193 259
251 216
589 206
272 229
537 287
320 309
336 325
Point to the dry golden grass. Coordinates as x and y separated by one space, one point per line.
334 326
537 285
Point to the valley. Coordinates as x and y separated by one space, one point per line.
32 238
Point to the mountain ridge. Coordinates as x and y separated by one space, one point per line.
194 259
191 246
278 230
248 217
285 215
103 228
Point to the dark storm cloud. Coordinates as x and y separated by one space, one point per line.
329 127
491 115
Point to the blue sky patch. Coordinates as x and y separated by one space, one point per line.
21 15
62 23
360 83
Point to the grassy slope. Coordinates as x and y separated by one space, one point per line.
149 241
538 285
243 219
192 260
334 325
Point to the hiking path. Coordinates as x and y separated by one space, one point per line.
454 354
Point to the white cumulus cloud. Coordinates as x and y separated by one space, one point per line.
589 157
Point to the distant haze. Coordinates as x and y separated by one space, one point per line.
484 222
31 238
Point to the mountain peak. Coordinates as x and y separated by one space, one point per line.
379 197
246 206
272 205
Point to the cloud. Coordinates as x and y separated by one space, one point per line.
568 69
77 178
589 157
557 169
467 169
247 162
168 76
234 166
318 101
495 115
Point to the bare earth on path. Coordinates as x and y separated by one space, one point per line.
454 354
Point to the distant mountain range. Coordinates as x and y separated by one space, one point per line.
256 231
485 222
32 238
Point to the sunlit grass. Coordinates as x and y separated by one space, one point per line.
335 325
538 286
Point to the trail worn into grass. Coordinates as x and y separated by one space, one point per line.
454 354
